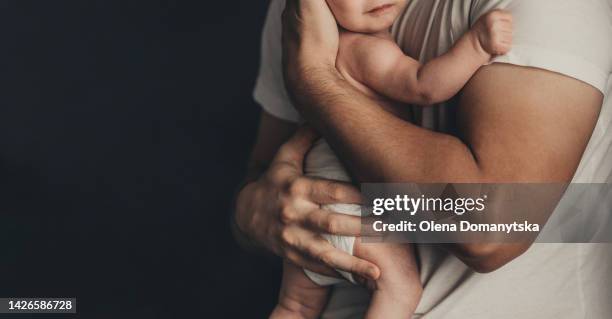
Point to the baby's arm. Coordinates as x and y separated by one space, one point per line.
383 67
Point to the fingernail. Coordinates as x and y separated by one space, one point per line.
373 273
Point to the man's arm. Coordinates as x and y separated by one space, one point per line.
271 134
518 125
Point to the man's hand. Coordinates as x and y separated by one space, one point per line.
282 212
310 39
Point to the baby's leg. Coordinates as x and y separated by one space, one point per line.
299 296
397 291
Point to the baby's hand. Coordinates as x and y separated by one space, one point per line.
494 32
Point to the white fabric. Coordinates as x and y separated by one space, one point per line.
344 243
571 37
322 163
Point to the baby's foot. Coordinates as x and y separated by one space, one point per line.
300 298
397 292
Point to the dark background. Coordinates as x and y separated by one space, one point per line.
124 129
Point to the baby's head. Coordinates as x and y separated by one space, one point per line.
366 16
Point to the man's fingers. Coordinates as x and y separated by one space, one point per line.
305 262
367 227
289 14
319 249
294 150
333 223
335 258
334 192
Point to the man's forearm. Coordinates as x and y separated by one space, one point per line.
272 133
512 137
376 145
379 147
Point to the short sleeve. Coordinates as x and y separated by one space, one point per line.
270 90
571 37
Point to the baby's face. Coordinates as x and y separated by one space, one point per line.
366 16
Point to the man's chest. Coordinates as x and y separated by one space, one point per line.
428 28
425 30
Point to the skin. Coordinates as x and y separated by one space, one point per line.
376 65
358 16
505 137
278 210
370 60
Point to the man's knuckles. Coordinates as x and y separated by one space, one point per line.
289 215
287 237
297 187
332 224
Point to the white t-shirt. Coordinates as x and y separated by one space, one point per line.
571 37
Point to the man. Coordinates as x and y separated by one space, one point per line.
535 115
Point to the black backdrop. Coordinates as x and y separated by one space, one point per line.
124 128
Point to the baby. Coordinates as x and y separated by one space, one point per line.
371 61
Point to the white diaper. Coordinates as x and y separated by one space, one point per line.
321 162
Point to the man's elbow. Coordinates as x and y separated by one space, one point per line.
486 258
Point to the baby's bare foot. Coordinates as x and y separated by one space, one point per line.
397 292
300 298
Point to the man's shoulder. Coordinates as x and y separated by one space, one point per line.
548 13
550 35
536 16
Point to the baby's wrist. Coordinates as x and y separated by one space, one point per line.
479 49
